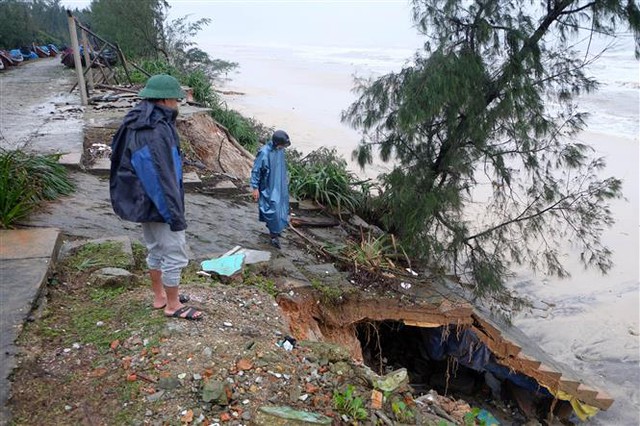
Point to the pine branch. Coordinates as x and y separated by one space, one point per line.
574 198
586 6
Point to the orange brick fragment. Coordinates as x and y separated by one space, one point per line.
244 364
376 399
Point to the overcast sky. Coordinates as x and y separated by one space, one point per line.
321 23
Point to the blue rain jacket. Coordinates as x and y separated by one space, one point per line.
269 175
146 168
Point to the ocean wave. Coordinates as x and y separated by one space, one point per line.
379 60
613 108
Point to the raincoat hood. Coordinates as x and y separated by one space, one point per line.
147 115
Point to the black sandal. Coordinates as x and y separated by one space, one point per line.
183 298
190 313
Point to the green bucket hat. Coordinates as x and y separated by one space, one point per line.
162 86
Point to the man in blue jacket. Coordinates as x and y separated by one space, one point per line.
270 185
146 187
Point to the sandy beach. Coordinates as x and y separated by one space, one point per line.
588 321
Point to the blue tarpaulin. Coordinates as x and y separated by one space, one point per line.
468 350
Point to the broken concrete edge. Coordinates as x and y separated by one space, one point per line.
508 353
22 243
301 308
71 160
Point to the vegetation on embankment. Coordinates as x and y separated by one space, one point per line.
247 131
486 122
27 182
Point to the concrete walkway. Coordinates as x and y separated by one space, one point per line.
26 257
37 114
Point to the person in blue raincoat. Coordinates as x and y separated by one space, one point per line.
146 187
270 185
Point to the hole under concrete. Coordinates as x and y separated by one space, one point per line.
437 344
451 361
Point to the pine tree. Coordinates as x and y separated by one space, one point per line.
136 26
472 111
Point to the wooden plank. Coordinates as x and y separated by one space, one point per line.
233 250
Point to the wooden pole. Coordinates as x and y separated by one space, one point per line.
87 61
124 62
76 58
93 61
139 69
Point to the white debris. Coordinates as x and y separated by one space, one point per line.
411 271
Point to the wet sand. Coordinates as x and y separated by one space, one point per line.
589 322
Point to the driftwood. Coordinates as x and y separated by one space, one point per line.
229 92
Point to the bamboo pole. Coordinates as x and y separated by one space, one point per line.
94 34
76 58
124 62
93 61
139 69
115 47
87 61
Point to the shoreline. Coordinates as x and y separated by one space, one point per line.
594 322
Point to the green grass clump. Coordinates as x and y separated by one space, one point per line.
329 294
373 253
349 404
263 283
248 132
92 256
98 318
26 181
139 255
322 176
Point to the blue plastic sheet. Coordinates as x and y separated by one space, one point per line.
227 265
469 351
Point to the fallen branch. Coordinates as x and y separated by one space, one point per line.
317 246
300 221
347 261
